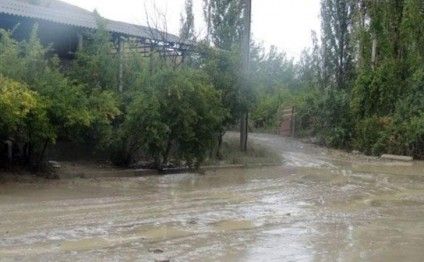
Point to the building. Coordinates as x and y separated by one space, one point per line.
63 26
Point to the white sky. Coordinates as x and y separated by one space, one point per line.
286 24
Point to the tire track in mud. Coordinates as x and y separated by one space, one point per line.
315 206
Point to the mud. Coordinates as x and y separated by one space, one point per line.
319 205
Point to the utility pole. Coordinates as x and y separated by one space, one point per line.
245 51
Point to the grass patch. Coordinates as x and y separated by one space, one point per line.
256 154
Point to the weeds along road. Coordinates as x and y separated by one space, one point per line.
319 205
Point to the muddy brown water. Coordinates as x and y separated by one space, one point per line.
319 205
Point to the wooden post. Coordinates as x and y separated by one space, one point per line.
121 64
244 122
244 131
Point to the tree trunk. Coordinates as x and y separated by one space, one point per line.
219 149
168 150
42 153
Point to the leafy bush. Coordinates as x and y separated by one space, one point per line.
377 92
96 66
267 112
326 115
224 69
414 138
72 111
24 120
178 118
399 133
409 117
371 134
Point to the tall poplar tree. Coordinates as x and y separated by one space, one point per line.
187 30
337 47
224 19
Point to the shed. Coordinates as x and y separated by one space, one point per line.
62 25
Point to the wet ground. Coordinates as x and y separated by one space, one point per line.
319 205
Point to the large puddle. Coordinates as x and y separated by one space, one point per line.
320 205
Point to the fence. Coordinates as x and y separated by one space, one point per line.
288 123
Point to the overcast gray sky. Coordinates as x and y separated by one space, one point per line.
286 24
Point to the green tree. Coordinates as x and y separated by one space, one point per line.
271 70
327 72
385 113
96 70
96 66
71 109
24 120
187 30
337 46
309 67
224 19
274 79
176 120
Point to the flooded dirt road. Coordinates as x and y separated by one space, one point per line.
319 205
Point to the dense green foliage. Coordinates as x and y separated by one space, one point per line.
223 62
70 108
177 118
273 80
361 86
326 115
167 113
95 65
373 50
224 20
24 119
223 70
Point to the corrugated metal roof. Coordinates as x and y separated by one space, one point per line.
67 14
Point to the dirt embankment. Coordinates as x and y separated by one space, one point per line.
258 154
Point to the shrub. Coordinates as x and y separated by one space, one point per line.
409 118
73 106
372 134
178 118
267 112
377 92
224 70
326 115
73 111
96 66
24 120
414 130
